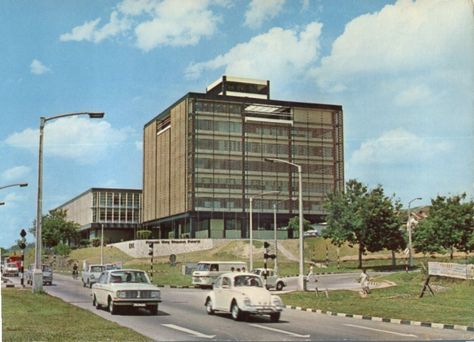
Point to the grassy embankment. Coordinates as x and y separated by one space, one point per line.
452 303
316 249
40 317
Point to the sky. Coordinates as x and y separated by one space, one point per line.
402 70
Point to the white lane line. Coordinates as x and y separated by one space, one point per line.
280 331
379 330
189 331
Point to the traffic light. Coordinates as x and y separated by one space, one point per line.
150 248
267 254
22 241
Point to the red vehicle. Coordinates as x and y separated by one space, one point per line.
15 259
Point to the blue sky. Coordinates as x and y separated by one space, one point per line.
402 70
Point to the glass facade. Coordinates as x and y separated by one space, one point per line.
228 145
116 207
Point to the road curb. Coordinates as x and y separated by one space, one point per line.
175 286
386 320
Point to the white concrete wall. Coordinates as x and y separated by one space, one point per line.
165 247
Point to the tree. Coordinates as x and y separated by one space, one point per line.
450 225
367 218
294 223
57 229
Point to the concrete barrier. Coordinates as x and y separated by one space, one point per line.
165 247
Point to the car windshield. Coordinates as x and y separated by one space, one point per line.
129 277
46 268
248 280
11 265
203 267
112 267
97 268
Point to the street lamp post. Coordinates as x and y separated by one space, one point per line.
16 184
251 224
101 243
275 267
38 274
301 286
409 228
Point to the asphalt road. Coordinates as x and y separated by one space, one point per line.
182 317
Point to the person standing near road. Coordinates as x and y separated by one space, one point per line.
74 271
310 276
364 282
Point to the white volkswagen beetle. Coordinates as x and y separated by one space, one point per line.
125 288
243 294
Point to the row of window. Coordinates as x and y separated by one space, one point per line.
262 129
207 203
216 107
257 165
255 147
116 215
116 199
210 182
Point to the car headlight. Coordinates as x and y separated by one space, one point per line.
247 301
277 301
121 294
155 294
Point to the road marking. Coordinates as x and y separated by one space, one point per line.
189 331
379 330
280 331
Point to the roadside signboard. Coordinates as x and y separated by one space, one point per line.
451 270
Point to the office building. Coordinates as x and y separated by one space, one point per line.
204 157
117 211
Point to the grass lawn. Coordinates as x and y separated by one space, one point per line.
40 317
453 302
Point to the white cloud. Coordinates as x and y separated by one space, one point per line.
153 23
16 173
260 11
407 36
79 139
278 55
38 68
397 147
90 32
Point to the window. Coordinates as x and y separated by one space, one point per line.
225 281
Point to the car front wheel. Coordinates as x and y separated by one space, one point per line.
279 286
275 317
153 310
237 314
95 303
209 309
112 308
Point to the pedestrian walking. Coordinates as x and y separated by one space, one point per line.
364 282
310 276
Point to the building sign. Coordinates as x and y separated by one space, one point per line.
172 242
451 270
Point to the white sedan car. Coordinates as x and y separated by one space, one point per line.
243 294
125 288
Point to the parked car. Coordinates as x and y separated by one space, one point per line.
272 280
47 274
131 288
207 271
310 233
243 294
11 269
91 274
